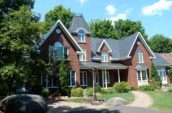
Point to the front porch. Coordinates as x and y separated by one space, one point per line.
104 74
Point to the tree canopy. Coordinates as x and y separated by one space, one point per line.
120 29
17 46
160 43
59 12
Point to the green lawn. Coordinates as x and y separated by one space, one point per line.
77 100
127 96
162 100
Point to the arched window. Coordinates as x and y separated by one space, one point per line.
60 51
140 56
81 35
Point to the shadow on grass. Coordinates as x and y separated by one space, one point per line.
67 109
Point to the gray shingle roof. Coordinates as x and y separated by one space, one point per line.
87 65
160 61
120 48
78 22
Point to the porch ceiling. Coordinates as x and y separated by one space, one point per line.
107 65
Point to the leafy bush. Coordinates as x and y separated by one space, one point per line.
146 88
106 91
97 88
89 91
77 92
122 87
45 92
3 90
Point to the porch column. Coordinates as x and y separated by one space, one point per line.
93 81
105 79
119 76
102 78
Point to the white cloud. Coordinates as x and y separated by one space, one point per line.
157 8
110 9
122 16
82 1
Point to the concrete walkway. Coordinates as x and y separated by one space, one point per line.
141 100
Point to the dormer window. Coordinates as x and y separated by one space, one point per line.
81 36
104 57
140 56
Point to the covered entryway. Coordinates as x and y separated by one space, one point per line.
105 74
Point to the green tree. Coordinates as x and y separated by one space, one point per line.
6 5
17 46
63 78
154 78
59 12
103 29
160 43
127 27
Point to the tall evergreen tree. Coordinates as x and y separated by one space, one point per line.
154 78
63 78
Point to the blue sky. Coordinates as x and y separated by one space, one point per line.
155 15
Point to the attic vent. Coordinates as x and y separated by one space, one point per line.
58 31
138 43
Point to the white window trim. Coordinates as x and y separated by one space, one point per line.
142 82
82 38
70 78
106 57
140 54
81 55
86 84
163 71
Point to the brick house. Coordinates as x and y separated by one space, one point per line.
97 60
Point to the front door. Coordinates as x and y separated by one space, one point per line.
142 77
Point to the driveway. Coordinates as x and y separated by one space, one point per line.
119 109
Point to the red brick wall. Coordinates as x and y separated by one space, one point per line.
133 62
85 45
74 63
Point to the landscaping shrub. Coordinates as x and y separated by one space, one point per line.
122 87
77 92
106 91
45 92
97 88
146 88
89 91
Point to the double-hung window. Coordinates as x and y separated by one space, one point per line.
72 78
83 78
106 77
104 57
81 36
140 56
82 56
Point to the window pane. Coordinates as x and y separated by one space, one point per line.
81 36
104 57
139 75
144 75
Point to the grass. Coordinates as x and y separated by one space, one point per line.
128 96
161 100
77 100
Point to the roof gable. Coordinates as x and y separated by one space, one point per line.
101 45
143 42
69 36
